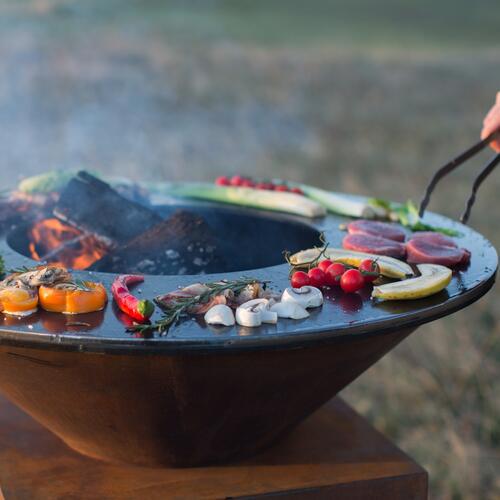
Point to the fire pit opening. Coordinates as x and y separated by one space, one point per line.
185 240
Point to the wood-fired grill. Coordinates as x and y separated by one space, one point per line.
204 394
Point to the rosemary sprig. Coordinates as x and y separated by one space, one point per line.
80 285
178 308
22 270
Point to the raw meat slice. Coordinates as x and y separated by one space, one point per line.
362 242
374 228
421 250
434 238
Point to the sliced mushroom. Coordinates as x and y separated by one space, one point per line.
264 305
255 312
220 315
290 309
306 296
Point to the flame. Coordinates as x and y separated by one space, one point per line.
53 241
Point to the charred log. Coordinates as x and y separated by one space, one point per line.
92 206
182 244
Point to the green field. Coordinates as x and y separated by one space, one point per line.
366 97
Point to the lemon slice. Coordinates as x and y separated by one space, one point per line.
433 278
389 267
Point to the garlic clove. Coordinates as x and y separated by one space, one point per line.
306 296
220 314
290 309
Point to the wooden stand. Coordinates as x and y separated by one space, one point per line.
333 454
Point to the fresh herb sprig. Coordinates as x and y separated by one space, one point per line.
22 270
177 308
80 285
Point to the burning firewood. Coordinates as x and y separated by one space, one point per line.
94 207
97 228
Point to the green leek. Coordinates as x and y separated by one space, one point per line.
248 197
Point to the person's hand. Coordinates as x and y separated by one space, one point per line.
491 124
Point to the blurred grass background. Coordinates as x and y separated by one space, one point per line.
366 97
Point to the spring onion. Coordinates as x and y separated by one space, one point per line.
248 197
344 204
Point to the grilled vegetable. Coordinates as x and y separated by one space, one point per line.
140 310
73 298
248 197
317 277
352 281
40 275
433 278
300 279
344 204
18 301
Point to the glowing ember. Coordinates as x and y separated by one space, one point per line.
55 242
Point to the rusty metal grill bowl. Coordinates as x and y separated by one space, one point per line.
204 395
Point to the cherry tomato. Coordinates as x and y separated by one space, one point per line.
223 181
370 270
262 185
236 180
300 279
297 191
334 273
352 281
281 187
325 264
247 183
317 277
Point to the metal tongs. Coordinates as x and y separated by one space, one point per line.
456 162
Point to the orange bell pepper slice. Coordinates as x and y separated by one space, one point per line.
73 300
18 301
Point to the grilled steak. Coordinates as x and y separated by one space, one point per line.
435 248
374 228
362 242
434 238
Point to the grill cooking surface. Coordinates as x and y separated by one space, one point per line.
341 314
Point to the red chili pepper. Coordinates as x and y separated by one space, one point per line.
138 309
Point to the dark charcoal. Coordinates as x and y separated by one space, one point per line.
182 244
94 207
